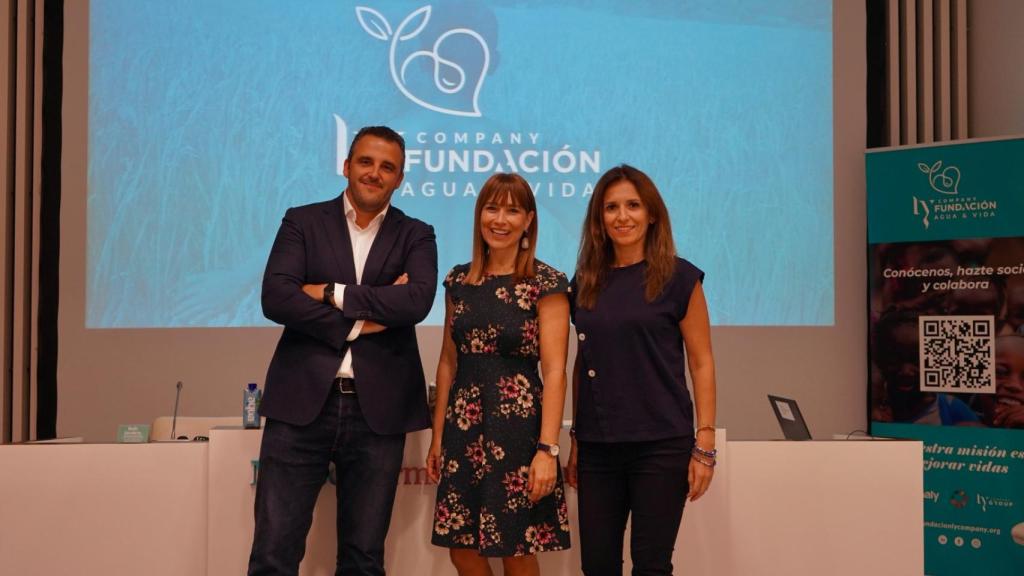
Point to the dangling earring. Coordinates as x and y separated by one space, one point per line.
524 243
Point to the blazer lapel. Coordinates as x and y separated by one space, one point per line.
382 245
336 227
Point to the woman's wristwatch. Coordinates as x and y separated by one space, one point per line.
551 449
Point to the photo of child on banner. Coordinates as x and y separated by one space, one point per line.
984 386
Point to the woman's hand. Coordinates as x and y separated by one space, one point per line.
543 475
700 479
434 460
570 472
700 474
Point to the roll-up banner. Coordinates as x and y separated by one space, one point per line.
946 342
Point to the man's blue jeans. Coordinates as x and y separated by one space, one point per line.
294 463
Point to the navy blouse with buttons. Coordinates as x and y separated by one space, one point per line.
632 384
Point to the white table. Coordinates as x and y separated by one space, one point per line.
775 508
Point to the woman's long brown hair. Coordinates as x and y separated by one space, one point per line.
597 254
502 188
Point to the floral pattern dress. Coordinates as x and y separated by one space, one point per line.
492 422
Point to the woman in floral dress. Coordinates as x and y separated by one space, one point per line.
494 450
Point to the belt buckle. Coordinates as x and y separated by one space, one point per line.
346 385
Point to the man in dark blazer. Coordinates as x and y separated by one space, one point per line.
349 279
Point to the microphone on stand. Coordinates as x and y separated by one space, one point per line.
174 420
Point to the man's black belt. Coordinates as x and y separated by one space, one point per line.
345 385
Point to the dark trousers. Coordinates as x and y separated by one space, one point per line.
647 480
294 463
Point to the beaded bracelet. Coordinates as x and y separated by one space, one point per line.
708 463
706 453
706 457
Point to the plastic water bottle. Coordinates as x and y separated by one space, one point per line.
251 406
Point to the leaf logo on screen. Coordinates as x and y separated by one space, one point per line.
945 182
445 75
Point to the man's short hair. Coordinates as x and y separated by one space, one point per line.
382 132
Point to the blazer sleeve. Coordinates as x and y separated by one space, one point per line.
284 301
406 304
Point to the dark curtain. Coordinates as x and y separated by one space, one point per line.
49 219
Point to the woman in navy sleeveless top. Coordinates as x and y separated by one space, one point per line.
641 319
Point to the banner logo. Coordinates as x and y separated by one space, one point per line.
448 83
923 211
958 499
950 205
945 182
985 502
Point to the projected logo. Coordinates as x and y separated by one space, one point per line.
949 206
445 75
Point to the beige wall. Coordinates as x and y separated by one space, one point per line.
995 43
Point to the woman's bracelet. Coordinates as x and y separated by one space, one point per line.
708 458
711 454
709 463
711 428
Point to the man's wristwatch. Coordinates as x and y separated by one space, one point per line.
329 294
551 449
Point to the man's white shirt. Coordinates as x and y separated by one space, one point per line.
362 240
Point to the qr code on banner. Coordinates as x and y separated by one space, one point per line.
958 354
